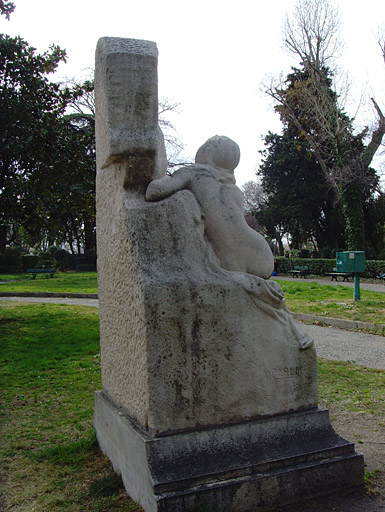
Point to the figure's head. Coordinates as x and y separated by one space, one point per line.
219 151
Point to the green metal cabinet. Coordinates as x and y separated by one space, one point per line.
350 261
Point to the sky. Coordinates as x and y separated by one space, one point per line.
214 56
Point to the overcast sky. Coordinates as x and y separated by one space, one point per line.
213 56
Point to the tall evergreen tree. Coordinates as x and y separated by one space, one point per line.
308 102
298 196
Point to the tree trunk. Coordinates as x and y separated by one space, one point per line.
281 250
3 238
352 208
78 242
71 242
89 236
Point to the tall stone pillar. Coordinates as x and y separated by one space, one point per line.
208 397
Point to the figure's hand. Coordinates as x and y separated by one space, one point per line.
154 190
166 186
267 291
271 292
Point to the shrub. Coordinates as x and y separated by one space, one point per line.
86 268
63 259
9 270
317 266
374 267
10 258
29 261
321 266
90 257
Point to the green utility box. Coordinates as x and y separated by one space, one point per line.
350 261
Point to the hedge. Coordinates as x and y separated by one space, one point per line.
29 261
10 259
9 270
321 266
86 268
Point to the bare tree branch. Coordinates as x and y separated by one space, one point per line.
376 138
309 102
174 145
311 34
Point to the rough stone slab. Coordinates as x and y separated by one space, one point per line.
183 345
126 99
237 467
209 388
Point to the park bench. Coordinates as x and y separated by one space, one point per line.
335 275
299 271
35 271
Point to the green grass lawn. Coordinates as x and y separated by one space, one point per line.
304 297
334 301
68 282
49 370
352 387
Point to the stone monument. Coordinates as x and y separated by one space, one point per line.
209 389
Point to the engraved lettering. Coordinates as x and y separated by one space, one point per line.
291 372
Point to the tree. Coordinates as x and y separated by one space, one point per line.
308 102
254 199
6 8
260 216
298 197
29 107
66 197
72 193
47 156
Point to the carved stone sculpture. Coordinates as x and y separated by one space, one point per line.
209 388
231 243
212 183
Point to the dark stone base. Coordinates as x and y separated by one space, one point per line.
240 467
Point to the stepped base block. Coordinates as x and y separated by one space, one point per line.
238 467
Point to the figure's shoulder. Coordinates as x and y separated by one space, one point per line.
195 171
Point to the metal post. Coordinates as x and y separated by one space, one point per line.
357 295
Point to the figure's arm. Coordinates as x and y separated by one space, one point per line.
166 186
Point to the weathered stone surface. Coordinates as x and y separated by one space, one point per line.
126 94
198 349
236 246
220 152
204 345
180 321
238 468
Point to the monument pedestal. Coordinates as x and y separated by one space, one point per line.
235 467
210 394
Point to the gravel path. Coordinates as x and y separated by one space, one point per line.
55 300
340 345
